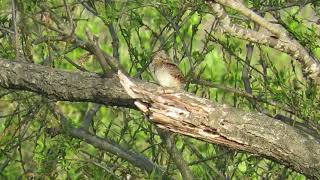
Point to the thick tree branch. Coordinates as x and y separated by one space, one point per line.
252 132
177 111
61 85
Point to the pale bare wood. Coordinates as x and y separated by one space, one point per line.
184 113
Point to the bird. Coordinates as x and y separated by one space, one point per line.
165 72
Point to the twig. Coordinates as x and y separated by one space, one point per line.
169 140
89 116
15 29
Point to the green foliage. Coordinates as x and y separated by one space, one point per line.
27 147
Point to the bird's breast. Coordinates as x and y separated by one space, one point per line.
165 79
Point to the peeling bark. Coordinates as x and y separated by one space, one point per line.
253 132
179 112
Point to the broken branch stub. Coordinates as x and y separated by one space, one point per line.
165 103
187 114
177 111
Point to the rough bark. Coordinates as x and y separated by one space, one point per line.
179 112
61 85
253 132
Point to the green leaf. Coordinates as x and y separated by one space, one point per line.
242 166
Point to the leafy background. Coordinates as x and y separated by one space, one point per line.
183 29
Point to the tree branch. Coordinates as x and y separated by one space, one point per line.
60 85
179 112
282 42
108 145
136 159
187 114
177 157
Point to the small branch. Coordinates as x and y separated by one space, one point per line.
135 159
89 116
15 29
204 160
69 16
169 140
93 46
115 42
57 51
246 70
284 6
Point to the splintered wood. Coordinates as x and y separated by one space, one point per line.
171 109
184 113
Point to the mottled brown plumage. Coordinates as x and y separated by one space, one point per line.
165 72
